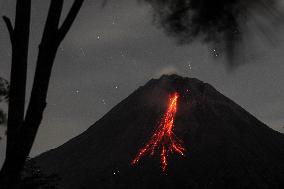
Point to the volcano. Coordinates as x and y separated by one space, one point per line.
218 143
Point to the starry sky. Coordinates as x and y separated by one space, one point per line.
112 50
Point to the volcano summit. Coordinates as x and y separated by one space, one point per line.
206 140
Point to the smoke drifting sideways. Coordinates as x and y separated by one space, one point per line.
220 23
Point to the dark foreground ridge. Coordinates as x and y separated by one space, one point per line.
226 147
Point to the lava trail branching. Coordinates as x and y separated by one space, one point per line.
164 139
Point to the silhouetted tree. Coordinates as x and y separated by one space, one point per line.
22 127
3 116
4 90
33 177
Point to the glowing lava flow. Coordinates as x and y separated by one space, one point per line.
164 139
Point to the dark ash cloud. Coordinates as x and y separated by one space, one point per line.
218 22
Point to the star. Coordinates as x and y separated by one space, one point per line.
77 91
114 20
189 65
103 101
215 53
82 51
116 172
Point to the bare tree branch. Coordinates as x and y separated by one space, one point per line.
52 22
22 130
9 27
70 19
10 173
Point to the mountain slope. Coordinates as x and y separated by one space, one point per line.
226 147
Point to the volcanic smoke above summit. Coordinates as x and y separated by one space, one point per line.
164 138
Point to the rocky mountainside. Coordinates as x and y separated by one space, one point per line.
225 146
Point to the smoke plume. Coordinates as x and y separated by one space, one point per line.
219 22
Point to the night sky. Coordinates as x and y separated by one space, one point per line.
110 51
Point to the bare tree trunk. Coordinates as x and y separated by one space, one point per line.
27 129
19 36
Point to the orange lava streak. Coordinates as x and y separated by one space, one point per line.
163 139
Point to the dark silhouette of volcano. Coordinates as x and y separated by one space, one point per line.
226 147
